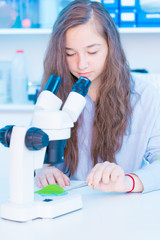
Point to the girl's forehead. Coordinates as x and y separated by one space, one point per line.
85 33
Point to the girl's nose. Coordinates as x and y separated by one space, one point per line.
82 62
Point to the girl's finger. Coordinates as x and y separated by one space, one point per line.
107 172
66 180
59 178
91 174
38 182
43 180
97 176
116 172
50 178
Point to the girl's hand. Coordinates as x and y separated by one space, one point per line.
50 175
108 177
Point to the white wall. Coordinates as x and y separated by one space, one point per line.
142 50
34 47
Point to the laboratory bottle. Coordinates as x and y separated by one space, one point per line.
19 79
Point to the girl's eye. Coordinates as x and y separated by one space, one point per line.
92 52
70 55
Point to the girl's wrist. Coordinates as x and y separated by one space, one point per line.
128 183
133 183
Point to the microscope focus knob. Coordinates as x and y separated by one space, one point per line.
36 139
5 135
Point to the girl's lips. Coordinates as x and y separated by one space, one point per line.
84 74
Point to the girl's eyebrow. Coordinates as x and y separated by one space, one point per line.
90 46
93 45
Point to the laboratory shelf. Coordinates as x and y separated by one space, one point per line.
17 108
34 31
27 31
140 30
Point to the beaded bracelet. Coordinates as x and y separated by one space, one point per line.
133 182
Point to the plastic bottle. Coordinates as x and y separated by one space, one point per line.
5 82
19 79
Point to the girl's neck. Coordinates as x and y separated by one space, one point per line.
93 91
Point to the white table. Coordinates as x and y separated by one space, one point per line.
104 216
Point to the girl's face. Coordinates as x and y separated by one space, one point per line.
86 51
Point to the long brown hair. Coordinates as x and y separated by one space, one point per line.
113 110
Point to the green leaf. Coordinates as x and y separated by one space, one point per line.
51 189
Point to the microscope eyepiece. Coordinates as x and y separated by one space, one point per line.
82 86
53 84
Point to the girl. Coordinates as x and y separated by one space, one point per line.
120 125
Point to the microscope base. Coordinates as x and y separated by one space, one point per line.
46 208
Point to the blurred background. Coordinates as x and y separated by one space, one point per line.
25 28
26 25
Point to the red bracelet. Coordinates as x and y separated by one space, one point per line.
133 182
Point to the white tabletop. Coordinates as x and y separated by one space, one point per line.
104 216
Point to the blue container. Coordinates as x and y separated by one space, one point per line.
128 18
128 4
111 4
114 14
148 19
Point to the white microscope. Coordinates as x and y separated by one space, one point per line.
50 126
